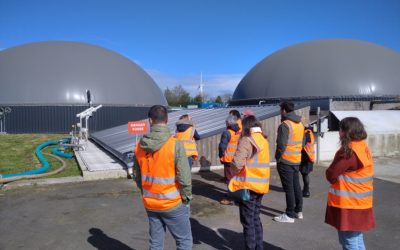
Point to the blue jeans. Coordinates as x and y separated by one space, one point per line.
190 159
351 240
178 224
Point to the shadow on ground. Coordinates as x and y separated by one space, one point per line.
210 191
228 239
102 241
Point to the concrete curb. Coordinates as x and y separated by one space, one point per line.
45 181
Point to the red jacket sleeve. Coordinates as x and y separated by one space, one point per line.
341 164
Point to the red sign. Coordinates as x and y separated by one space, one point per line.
140 127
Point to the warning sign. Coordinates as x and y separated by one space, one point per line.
140 127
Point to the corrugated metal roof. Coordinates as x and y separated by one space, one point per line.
208 122
376 121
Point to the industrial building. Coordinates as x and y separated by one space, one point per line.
333 74
209 123
45 84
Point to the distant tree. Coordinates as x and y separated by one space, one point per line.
226 97
218 99
198 98
177 96
168 95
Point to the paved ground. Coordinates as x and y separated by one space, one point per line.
110 215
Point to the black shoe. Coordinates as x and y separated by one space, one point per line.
306 194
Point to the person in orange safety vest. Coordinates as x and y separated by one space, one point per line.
162 173
350 196
307 160
289 143
251 171
227 148
186 132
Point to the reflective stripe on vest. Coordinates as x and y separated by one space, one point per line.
231 147
256 173
350 194
158 179
354 190
186 137
169 195
295 142
309 147
160 189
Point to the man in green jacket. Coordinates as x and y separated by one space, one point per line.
165 208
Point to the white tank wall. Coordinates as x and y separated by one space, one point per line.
381 144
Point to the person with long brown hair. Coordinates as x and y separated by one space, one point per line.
251 171
350 197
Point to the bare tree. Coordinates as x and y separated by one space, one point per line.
177 96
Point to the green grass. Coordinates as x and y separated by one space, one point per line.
17 154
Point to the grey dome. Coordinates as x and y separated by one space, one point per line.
324 68
59 73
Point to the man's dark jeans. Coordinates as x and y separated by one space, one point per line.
291 184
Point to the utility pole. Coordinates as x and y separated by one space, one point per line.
201 86
318 132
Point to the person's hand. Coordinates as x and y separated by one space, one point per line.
186 203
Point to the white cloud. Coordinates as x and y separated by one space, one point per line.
214 85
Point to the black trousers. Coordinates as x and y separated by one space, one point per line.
291 184
250 219
306 181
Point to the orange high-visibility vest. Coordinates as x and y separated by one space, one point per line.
231 147
354 190
309 147
295 142
239 123
188 142
256 172
160 188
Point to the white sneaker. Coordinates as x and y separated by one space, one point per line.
284 218
299 215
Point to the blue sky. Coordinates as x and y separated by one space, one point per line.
176 40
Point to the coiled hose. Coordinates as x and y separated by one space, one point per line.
37 173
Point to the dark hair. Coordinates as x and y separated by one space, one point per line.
158 114
236 113
185 116
248 123
287 106
353 130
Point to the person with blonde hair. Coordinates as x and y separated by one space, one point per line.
350 197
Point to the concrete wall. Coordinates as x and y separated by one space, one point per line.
208 147
385 106
349 105
380 144
362 105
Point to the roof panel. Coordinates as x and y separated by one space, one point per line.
208 122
